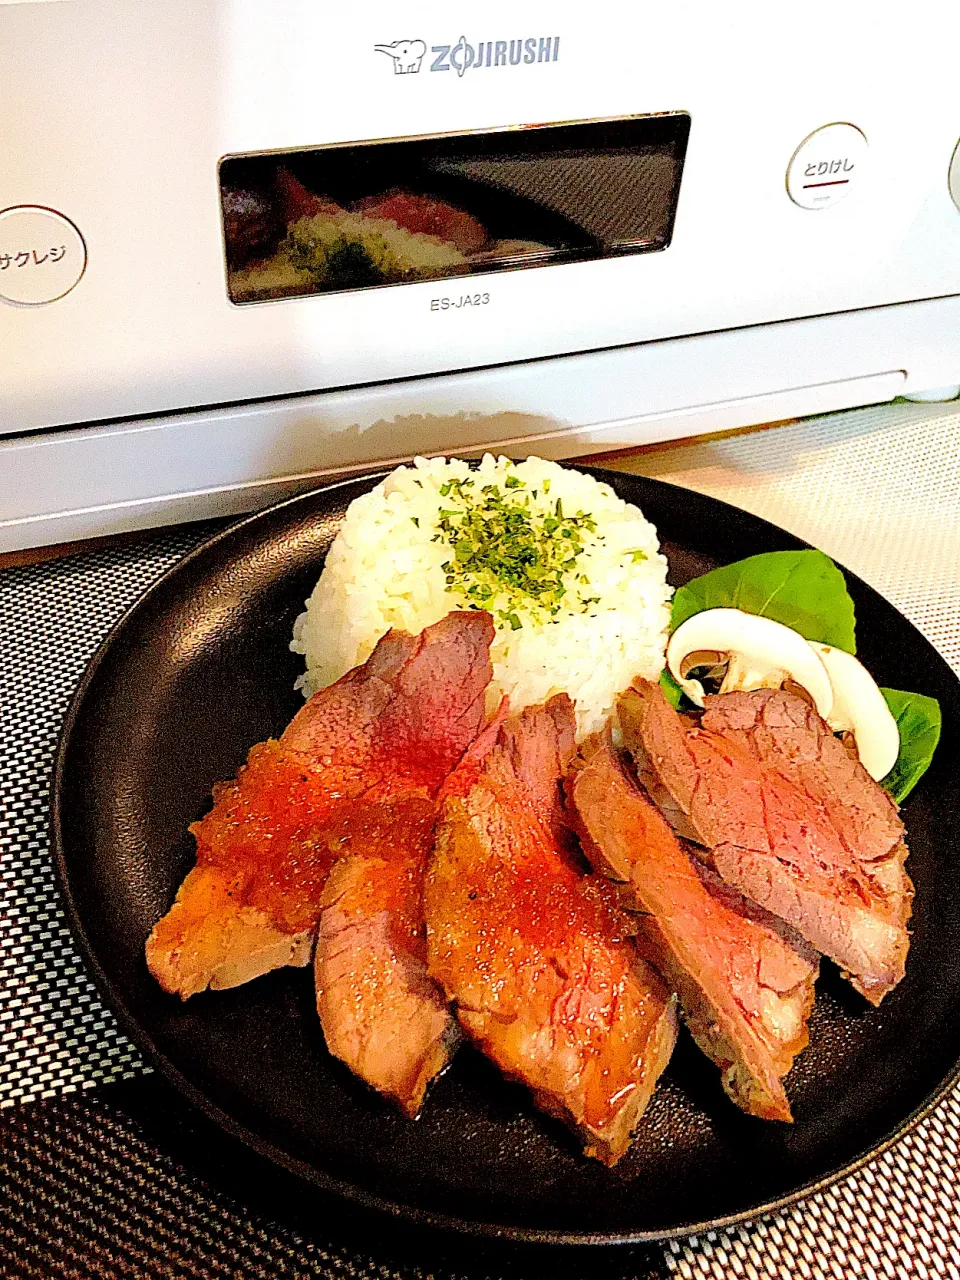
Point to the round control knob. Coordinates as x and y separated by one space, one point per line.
42 255
826 166
954 178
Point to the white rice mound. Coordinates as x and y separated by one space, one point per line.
384 571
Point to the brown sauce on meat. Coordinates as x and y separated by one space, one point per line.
544 906
552 946
280 826
536 893
549 946
394 840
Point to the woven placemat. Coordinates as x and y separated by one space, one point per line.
55 1035
129 1181
878 489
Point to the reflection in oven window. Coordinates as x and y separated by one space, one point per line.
361 215
292 241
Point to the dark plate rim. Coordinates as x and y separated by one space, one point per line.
437 1221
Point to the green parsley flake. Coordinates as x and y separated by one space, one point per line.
506 550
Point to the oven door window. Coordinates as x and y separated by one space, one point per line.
367 215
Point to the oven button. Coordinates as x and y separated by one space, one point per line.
955 176
42 255
826 166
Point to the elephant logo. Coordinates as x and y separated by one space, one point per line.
406 54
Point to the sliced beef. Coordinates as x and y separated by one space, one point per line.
381 1012
207 939
786 732
539 748
391 729
745 985
535 954
788 816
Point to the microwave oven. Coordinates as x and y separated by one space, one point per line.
246 244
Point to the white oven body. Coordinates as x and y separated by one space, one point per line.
144 394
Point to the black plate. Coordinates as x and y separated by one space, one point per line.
199 670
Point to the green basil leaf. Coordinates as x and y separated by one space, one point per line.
671 690
918 719
802 589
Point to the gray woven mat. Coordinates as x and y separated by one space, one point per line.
55 1035
899 1217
